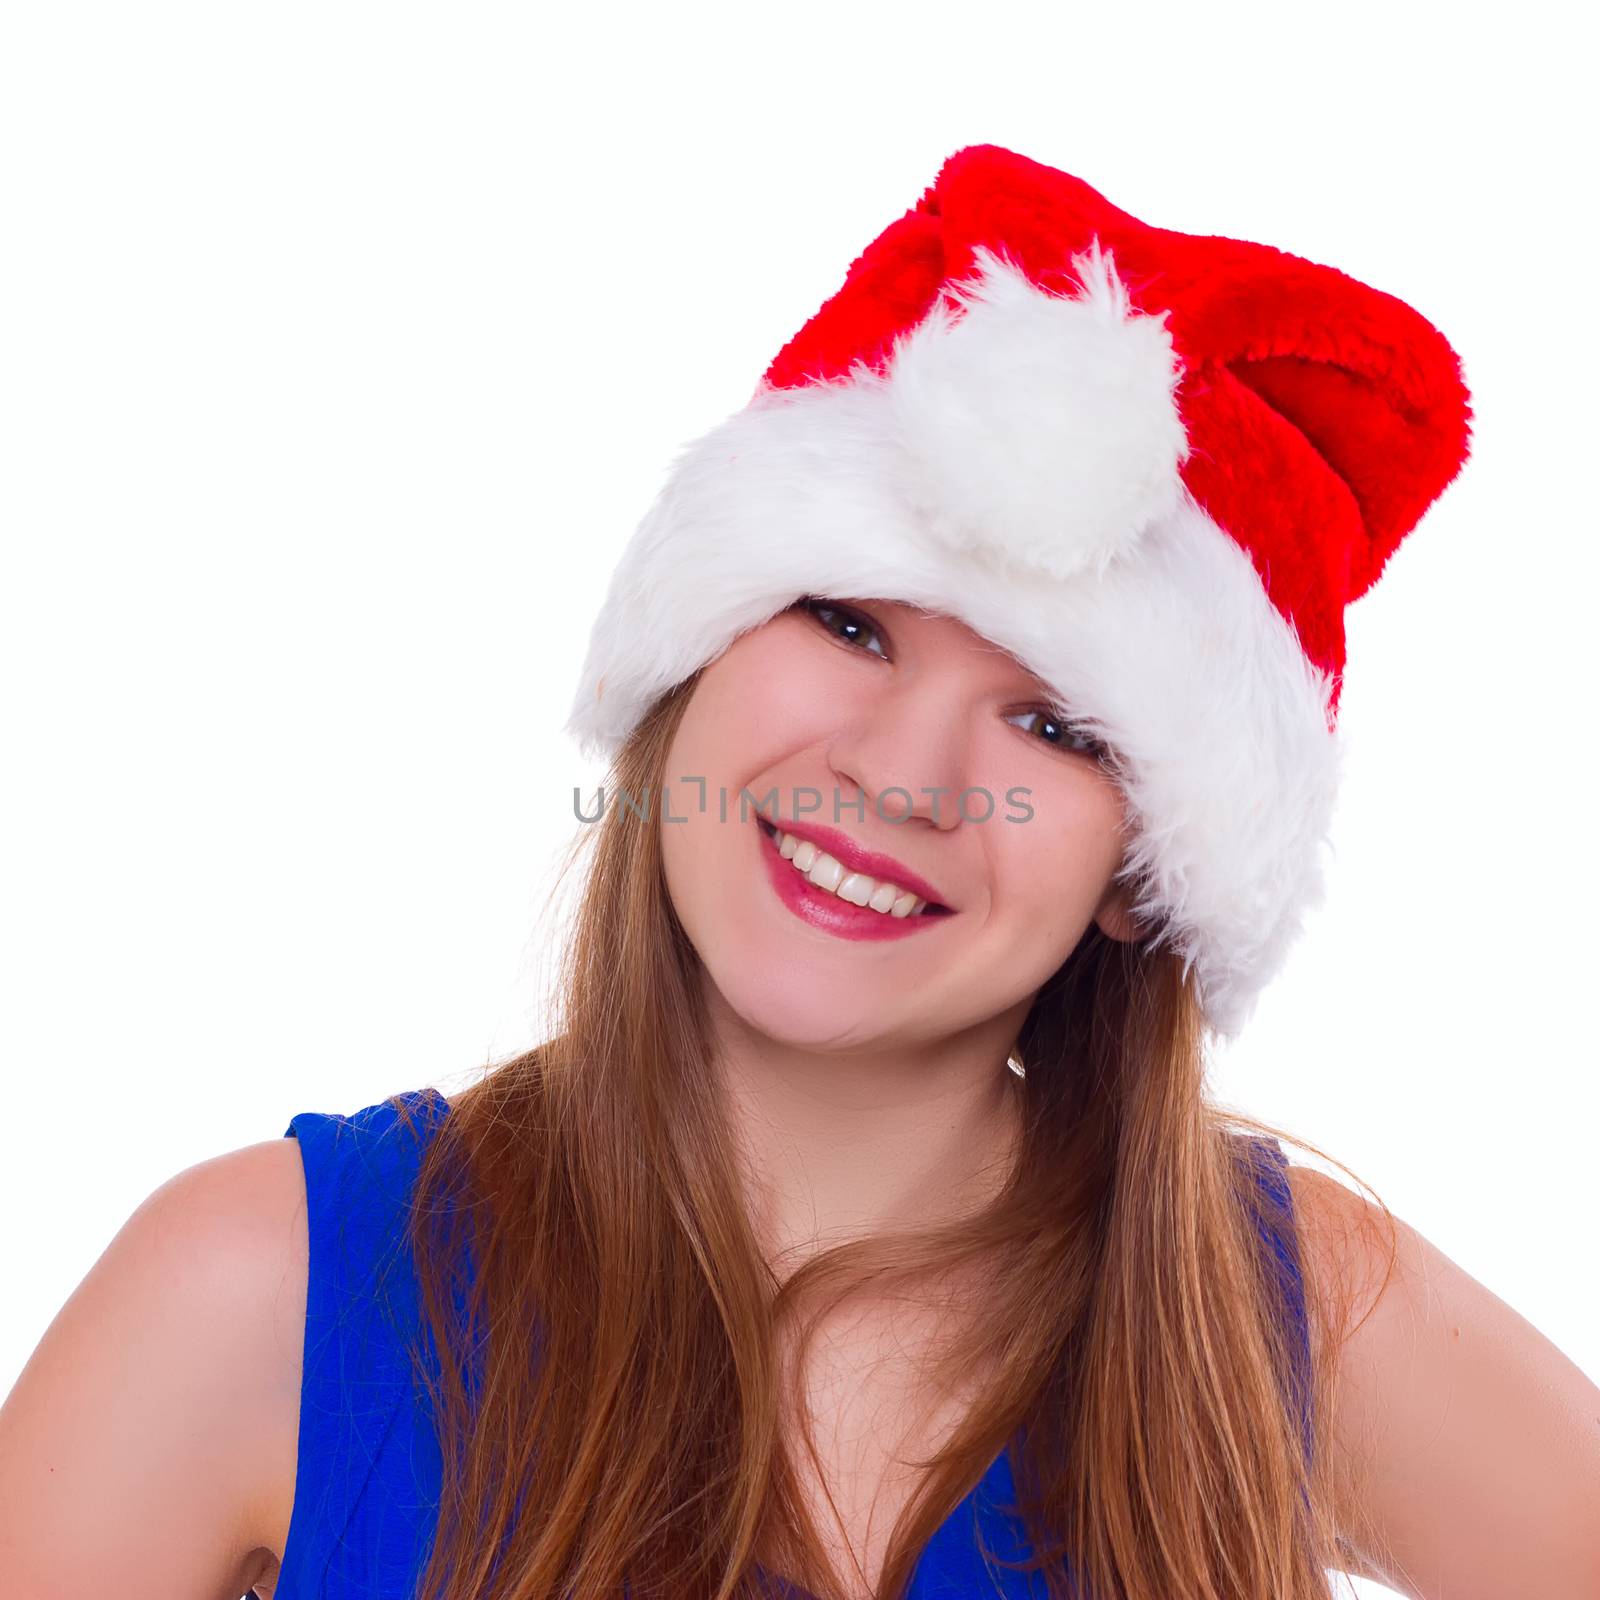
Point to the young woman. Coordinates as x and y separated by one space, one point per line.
865 1229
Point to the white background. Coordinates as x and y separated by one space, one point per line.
341 348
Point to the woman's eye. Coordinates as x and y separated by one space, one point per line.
849 626
1055 729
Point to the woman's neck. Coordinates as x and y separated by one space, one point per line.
839 1144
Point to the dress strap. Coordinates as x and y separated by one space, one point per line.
1275 1221
357 1384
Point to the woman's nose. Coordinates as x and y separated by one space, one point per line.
906 753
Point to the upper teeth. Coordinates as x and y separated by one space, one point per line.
829 874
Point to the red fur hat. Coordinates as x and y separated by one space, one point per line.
1154 466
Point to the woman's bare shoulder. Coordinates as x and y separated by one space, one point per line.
1466 1445
155 1423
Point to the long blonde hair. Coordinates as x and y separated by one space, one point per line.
608 1400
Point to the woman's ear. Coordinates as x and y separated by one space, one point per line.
1114 914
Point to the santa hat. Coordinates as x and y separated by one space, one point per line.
1154 466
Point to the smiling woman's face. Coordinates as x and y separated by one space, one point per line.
842 717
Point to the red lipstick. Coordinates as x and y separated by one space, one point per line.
827 911
856 858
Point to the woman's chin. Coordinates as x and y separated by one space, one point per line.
824 1012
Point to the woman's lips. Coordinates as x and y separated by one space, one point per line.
855 857
827 911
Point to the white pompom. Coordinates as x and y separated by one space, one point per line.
1039 428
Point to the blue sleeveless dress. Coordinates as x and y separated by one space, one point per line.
367 1482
